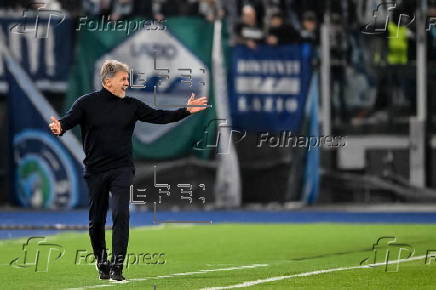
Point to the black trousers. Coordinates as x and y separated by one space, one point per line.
117 181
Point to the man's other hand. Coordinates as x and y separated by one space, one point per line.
197 102
55 126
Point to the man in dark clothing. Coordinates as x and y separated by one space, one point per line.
248 31
280 32
107 119
309 32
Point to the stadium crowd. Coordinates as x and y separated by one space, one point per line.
383 63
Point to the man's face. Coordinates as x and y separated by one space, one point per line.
118 84
309 25
249 16
276 21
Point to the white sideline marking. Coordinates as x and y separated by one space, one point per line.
203 271
175 275
278 278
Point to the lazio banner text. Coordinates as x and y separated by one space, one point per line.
268 87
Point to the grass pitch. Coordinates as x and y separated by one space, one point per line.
214 256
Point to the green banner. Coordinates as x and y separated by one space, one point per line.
167 65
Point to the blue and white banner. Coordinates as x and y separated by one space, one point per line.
41 44
268 87
45 170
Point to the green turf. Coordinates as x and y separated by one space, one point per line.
284 249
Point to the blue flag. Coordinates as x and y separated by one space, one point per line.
46 171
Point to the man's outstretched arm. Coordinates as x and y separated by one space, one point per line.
145 113
71 119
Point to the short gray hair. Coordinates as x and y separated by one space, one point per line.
110 67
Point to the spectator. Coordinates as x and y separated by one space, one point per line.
209 9
288 9
248 31
431 31
96 7
281 33
398 42
121 9
309 33
166 8
338 53
316 6
143 8
259 6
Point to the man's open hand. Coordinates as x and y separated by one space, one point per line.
55 126
196 102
